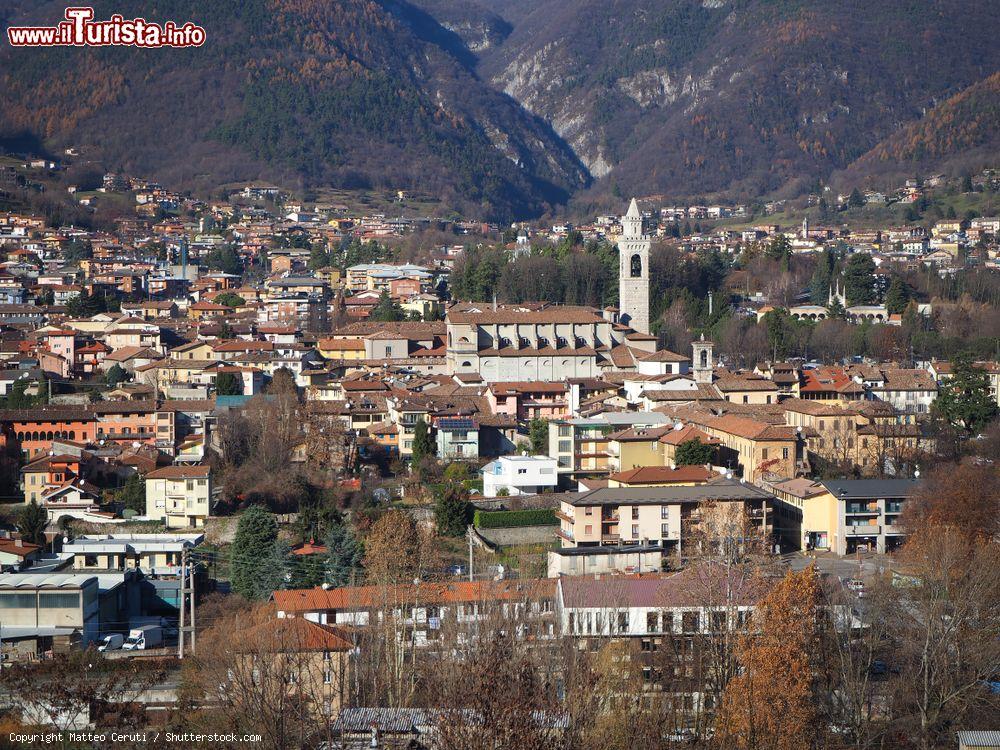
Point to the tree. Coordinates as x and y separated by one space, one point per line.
254 554
538 434
344 555
780 248
392 549
423 444
132 495
283 382
769 706
31 523
897 297
228 384
115 374
819 285
451 511
856 199
229 299
225 259
387 310
964 399
693 453
859 279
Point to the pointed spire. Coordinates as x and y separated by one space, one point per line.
633 210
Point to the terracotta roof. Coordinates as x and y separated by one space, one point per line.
520 314
299 634
364 597
664 475
180 472
18 548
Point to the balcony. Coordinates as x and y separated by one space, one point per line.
610 538
893 528
863 530
567 535
563 517
863 510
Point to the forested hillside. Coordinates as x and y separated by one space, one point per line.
684 97
352 93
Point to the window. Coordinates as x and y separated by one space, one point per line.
784 453
664 531
565 446
623 622
746 399
588 529
635 530
635 269
763 454
327 676
17 601
653 622
664 511
47 600
689 622
635 514
90 561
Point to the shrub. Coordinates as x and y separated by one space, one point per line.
499 519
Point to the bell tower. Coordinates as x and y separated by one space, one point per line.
633 271
702 360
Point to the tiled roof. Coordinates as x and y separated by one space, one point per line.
365 597
663 475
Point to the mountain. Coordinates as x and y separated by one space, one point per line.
353 93
961 133
685 97
506 108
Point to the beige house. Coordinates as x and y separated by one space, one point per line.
180 496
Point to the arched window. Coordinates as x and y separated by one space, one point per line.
704 358
636 266
72 434
466 364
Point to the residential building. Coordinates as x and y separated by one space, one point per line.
519 475
180 496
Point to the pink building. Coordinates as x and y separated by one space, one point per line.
530 400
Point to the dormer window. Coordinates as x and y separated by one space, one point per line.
504 341
561 341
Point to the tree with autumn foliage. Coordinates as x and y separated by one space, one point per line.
770 705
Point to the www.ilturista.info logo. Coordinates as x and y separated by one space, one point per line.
80 30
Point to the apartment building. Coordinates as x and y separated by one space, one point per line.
587 445
180 496
845 515
663 516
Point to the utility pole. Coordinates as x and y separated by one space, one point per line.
469 536
186 590
180 625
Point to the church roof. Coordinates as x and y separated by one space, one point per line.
633 210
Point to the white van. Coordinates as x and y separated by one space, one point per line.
111 642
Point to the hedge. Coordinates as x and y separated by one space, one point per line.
498 519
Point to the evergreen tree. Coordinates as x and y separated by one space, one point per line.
387 310
693 453
451 511
344 555
423 444
819 285
228 384
115 374
856 199
31 523
256 565
835 310
859 279
229 299
964 399
538 434
897 297
132 495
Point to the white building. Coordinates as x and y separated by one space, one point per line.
180 496
519 475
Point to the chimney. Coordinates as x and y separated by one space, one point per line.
18 542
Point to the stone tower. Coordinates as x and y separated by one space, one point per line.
702 360
633 271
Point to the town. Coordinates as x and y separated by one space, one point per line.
666 477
